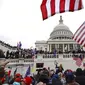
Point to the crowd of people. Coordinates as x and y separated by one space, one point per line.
44 76
29 53
24 53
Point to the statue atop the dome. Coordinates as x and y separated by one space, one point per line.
61 20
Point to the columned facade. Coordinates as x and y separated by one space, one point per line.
61 47
60 39
50 48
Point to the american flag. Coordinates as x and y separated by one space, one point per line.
79 35
51 7
78 62
75 57
19 44
28 71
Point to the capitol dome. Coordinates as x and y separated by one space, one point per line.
61 31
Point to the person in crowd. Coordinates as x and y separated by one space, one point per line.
48 68
84 71
51 73
16 83
3 76
3 63
16 78
80 78
44 79
2 73
2 54
26 81
39 72
33 80
7 54
63 80
56 80
59 69
70 79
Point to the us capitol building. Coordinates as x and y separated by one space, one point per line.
60 39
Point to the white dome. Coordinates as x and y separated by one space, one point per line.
61 31
61 26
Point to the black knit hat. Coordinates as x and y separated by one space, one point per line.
79 72
43 78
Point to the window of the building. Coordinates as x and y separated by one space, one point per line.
39 65
71 47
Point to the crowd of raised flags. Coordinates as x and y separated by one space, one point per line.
46 76
29 71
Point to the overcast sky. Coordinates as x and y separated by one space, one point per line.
21 20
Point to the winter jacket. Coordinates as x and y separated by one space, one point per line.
80 80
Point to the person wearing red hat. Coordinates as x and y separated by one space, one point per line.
2 74
17 75
18 80
26 81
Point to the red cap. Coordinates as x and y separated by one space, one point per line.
18 79
27 80
18 75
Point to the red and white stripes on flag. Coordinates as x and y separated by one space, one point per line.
78 62
51 7
79 35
